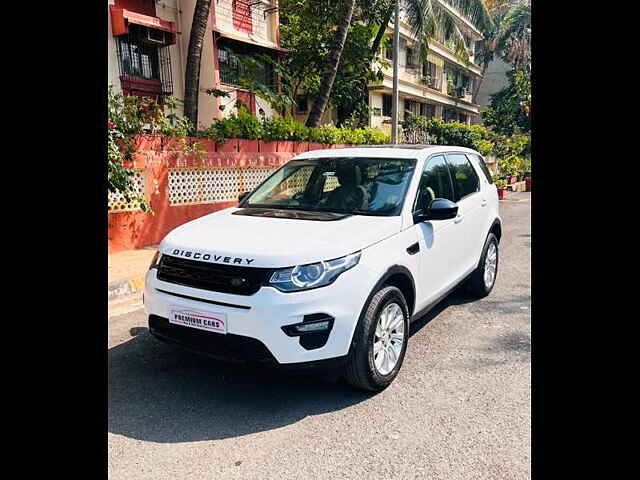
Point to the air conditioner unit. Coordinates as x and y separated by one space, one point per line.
157 37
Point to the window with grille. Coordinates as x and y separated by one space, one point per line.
386 105
427 110
411 58
233 66
410 106
144 61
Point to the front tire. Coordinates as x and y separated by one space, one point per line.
379 341
483 278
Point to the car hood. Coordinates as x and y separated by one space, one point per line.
235 237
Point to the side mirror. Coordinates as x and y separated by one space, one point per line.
242 196
438 209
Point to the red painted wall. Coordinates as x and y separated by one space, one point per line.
156 155
146 7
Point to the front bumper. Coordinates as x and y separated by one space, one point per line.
254 322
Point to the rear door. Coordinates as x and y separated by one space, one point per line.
471 209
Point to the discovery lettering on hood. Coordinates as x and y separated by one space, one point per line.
207 257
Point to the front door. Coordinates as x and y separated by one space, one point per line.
440 240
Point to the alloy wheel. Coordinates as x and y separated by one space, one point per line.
388 338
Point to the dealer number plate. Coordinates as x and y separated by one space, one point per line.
211 322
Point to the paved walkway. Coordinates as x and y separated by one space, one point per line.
126 271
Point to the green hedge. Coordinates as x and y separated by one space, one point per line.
513 153
248 126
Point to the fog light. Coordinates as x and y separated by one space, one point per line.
312 327
316 323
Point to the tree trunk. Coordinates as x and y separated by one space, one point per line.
320 103
383 28
194 55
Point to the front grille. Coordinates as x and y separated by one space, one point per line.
212 276
236 348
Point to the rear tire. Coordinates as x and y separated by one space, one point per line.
483 278
379 342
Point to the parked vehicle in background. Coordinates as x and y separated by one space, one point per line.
325 264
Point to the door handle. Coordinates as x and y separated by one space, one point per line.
458 219
413 249
484 202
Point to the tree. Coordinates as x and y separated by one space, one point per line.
429 19
509 37
321 100
508 113
194 56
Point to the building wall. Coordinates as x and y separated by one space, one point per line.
495 79
411 85
264 27
265 31
181 188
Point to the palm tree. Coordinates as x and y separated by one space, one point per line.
194 55
428 19
329 75
509 36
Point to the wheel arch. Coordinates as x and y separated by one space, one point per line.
400 277
496 229
397 276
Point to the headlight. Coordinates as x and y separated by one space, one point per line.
155 260
304 277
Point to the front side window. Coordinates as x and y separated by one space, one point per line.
353 185
465 178
434 183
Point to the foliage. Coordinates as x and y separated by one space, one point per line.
245 125
240 125
476 137
510 108
431 20
126 118
513 154
307 30
500 183
510 33
130 116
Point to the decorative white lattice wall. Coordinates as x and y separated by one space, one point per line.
190 186
117 202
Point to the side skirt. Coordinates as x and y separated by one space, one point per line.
435 302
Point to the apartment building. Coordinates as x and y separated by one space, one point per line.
439 87
148 42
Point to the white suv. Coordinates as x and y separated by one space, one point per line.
326 263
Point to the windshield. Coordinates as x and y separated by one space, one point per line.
353 185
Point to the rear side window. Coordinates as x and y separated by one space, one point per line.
465 178
485 170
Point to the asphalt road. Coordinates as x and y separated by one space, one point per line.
459 409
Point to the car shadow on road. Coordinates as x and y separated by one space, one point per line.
459 296
162 393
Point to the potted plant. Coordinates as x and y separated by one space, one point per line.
501 185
